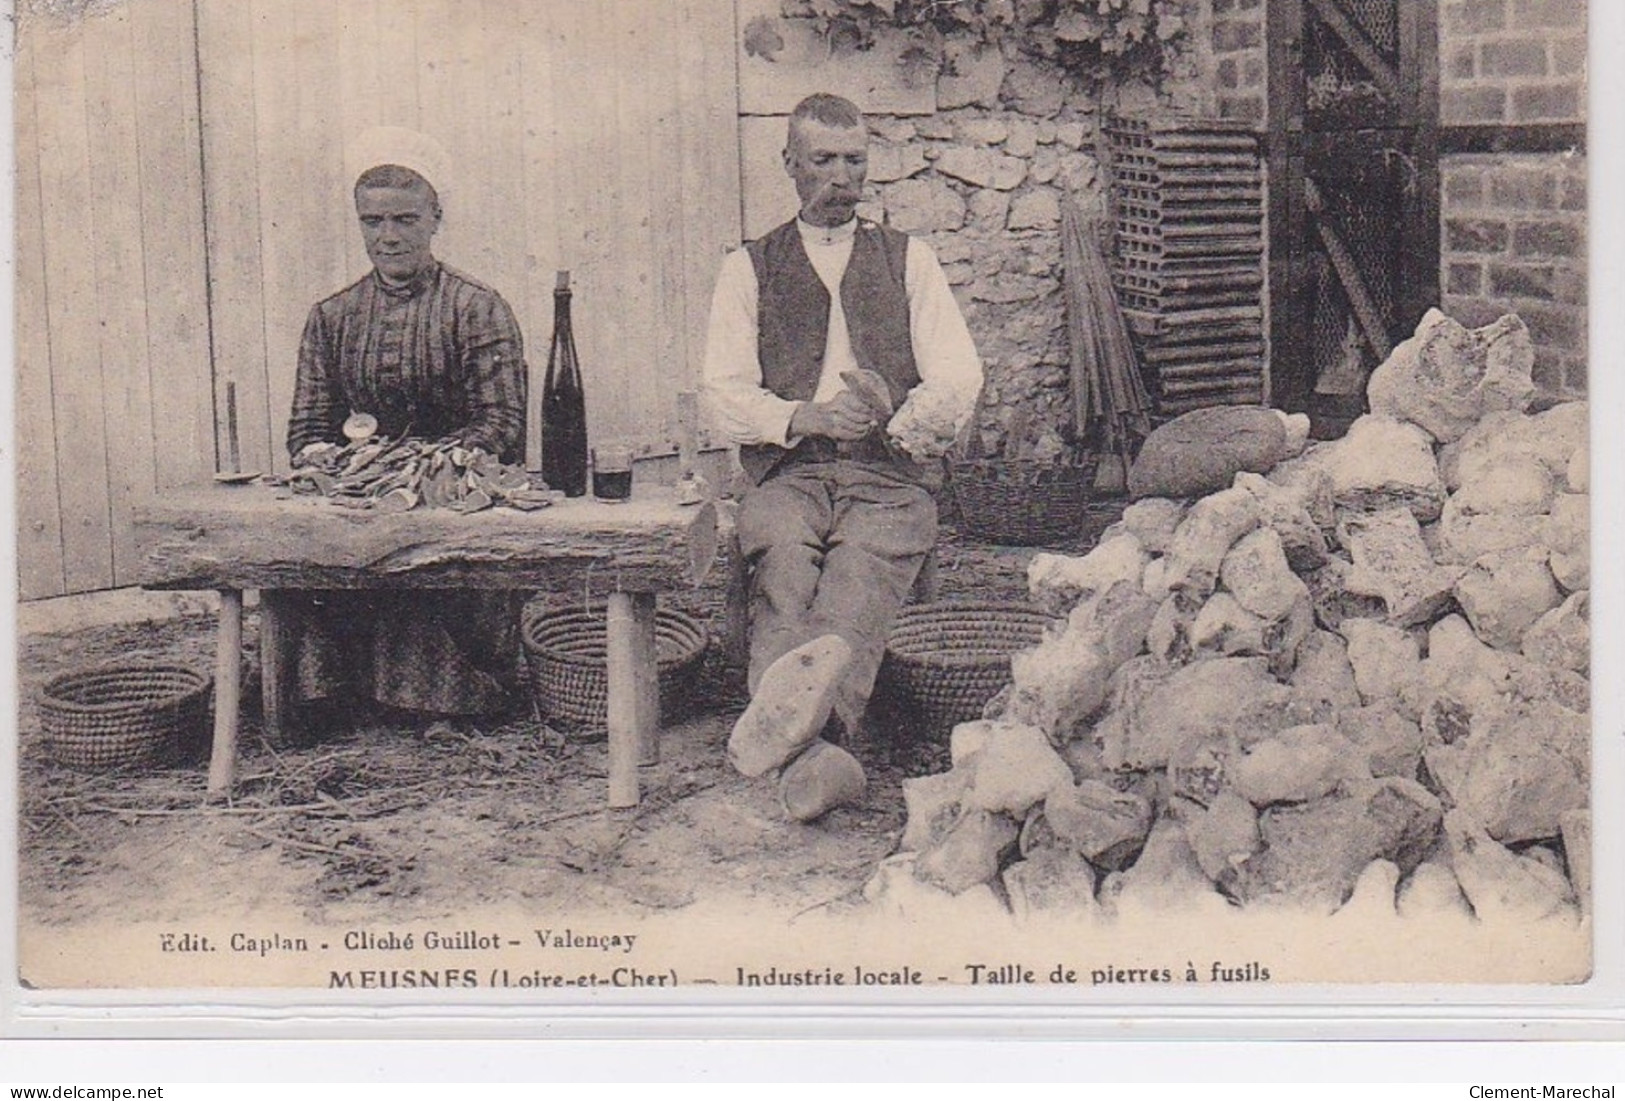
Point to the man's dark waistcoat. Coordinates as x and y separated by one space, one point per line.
792 317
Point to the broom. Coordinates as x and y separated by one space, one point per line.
1109 399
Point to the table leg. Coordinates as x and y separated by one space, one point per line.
228 690
278 654
633 692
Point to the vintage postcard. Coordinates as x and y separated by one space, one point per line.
807 497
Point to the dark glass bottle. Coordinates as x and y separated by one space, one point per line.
564 406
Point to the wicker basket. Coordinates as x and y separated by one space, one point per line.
126 716
567 652
1022 503
945 661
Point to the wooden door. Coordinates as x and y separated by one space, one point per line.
111 348
1354 193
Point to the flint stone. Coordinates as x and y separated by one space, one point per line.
1392 562
1082 756
1463 538
982 167
1546 855
1195 703
1284 511
896 891
1058 582
1503 594
970 853
1499 885
1166 878
1154 582
1211 527
1309 480
1375 895
1060 682
1382 463
1118 619
968 739
1446 377
1170 638
1134 682
1562 637
1576 830
822 778
1202 451
1387 664
1051 881
1390 743
1518 774
1314 852
1015 769
1295 765
1284 638
1224 836
1255 571
1514 485
1105 826
1153 520
1323 672
1334 602
1297 427
1577 475
1198 771
1553 437
1568 533
1432 890
1223 626
932 803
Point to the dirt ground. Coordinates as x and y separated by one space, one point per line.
410 819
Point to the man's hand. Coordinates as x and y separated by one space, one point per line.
843 417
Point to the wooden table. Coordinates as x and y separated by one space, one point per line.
234 538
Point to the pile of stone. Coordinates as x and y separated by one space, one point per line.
1350 674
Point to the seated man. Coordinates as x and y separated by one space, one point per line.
429 351
818 331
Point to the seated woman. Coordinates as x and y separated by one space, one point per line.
431 353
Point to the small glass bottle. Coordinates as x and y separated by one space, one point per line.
564 406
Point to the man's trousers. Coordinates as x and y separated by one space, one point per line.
833 548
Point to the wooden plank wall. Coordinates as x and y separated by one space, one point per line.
182 202
601 137
112 366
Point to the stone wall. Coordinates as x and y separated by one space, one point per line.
1515 223
977 163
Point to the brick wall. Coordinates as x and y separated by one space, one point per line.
1514 235
1512 61
1239 71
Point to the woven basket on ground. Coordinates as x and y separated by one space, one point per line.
1021 503
126 716
567 652
944 661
